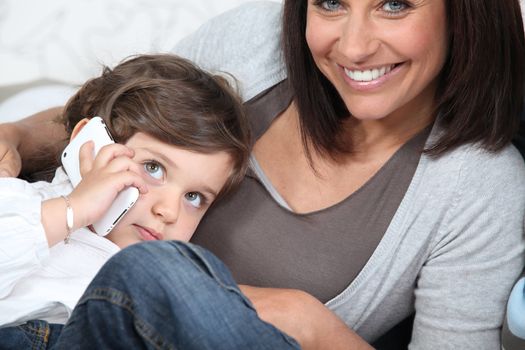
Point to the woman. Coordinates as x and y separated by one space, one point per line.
341 206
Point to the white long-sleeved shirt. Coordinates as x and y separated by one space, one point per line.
38 282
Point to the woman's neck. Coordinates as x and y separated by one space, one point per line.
326 180
393 131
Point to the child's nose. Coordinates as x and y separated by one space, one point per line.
166 208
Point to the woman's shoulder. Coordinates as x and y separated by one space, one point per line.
470 181
243 42
475 161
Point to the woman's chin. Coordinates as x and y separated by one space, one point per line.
367 115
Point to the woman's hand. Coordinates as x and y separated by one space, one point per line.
21 140
304 318
10 160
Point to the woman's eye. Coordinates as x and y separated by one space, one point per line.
195 199
329 5
394 6
154 170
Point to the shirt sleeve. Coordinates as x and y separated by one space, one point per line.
23 242
462 288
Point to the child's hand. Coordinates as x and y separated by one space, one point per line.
103 178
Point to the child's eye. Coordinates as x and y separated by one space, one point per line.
196 199
154 169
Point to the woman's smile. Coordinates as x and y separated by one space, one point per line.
371 78
368 75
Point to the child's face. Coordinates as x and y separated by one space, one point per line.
181 186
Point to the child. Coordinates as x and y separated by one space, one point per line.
182 140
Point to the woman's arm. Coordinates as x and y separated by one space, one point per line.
20 141
243 42
464 284
304 318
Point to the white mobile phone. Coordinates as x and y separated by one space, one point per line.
96 130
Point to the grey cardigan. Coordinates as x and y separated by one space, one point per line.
456 243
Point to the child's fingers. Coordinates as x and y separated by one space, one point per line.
105 188
122 163
85 157
110 152
125 179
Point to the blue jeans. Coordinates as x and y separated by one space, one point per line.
167 295
34 335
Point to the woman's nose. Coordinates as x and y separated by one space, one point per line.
358 40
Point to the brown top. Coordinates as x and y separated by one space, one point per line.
267 245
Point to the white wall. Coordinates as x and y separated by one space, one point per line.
66 40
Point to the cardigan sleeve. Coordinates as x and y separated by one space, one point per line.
463 287
243 42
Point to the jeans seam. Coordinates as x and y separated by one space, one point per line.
46 335
120 299
37 335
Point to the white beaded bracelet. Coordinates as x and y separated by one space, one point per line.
69 219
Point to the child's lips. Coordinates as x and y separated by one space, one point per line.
148 234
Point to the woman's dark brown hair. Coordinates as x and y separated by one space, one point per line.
481 86
170 99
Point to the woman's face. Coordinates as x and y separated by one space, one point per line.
383 57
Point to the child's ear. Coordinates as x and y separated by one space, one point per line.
77 128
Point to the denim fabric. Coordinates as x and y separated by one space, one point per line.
167 295
34 335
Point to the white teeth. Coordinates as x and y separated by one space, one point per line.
368 75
